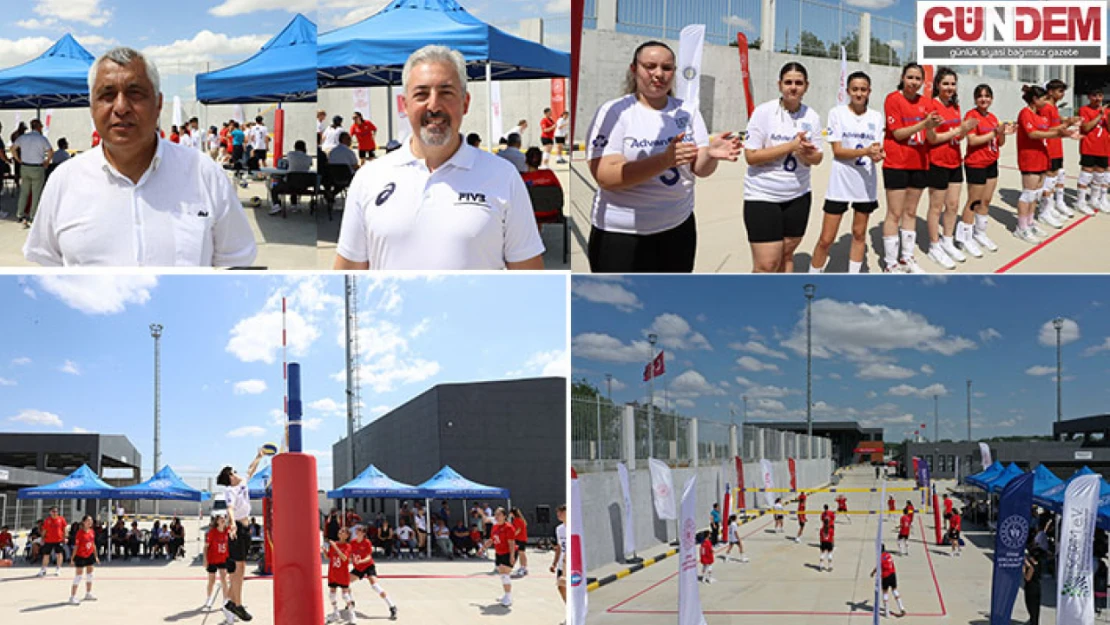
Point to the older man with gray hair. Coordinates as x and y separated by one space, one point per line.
437 203
136 199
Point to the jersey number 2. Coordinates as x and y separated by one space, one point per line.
859 161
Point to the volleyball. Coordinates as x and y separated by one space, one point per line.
269 449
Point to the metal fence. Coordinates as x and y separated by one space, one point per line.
589 14
810 28
893 42
595 429
713 440
666 18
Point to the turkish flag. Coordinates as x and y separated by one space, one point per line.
647 372
923 426
660 368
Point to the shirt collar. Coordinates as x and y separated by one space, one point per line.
159 153
463 158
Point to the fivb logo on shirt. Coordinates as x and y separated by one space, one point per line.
471 198
1004 32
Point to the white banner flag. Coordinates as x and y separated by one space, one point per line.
768 472
178 113
577 559
1075 595
985 454
626 493
237 113
46 124
498 125
404 129
688 80
879 557
689 596
842 94
662 489
360 101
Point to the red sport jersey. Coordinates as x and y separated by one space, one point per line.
361 550
521 530
547 128
801 508
86 543
54 529
904 525
338 573
986 154
1094 142
501 534
890 504
948 506
1052 116
828 517
215 546
842 504
706 552
887 562
946 154
364 132
955 523
828 532
912 152
1032 153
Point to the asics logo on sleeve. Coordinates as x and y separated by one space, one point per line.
600 141
202 213
387 191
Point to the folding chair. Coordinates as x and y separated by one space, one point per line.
547 204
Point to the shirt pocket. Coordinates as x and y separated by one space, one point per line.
192 232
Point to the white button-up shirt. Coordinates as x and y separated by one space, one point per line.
472 212
183 212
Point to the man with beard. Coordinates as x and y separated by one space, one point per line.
437 203
136 199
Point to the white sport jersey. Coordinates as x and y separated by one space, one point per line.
785 178
734 532
855 179
561 536
636 131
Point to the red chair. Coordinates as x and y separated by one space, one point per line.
547 203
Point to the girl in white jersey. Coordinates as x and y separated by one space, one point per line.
783 142
855 135
559 563
644 150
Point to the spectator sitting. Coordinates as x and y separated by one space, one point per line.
386 538
134 540
406 538
177 539
163 539
119 537
353 518
7 545
512 153
473 140
342 154
34 538
445 513
536 177
460 538
61 155
476 541
255 528
443 539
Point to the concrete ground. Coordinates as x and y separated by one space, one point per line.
723 244
463 592
782 585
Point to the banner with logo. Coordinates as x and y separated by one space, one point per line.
985 455
745 72
842 93
688 77
558 97
1009 547
728 511
793 473
768 481
1075 597
662 489
360 101
878 558
498 128
577 579
178 114
626 493
742 495
404 129
689 597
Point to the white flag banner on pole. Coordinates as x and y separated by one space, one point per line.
237 113
768 472
662 489
178 113
688 80
985 454
842 94
360 101
879 556
404 129
957 471
498 124
689 596
1075 595
577 559
626 493
46 124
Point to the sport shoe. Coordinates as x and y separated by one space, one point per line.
940 257
393 613
1105 207
332 618
89 597
950 249
350 616
1026 234
1065 210
1037 230
893 268
1084 208
275 210
909 265
982 239
972 248
506 601
1048 217
41 573
73 600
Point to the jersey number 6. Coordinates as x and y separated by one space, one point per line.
791 163
672 179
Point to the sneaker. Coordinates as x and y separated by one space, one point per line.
893 268
351 620
1065 210
506 601
393 613
1105 207
275 209
332 618
562 161
57 571
1084 208
744 559
950 249
89 597
1048 217
41 573
940 257
1027 235
909 265
982 239
1037 230
73 600
972 248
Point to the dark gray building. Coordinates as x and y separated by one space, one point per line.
845 435
1061 457
510 434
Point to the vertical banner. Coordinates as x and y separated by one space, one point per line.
576 14
927 88
626 493
878 558
768 481
46 124
937 525
793 473
745 72
237 113
957 470
577 555
558 97
1009 547
741 494
1075 597
360 101
985 455
724 520
403 127
178 113
688 80
662 489
842 93
689 596
498 128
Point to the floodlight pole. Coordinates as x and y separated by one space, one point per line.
156 333
1058 324
810 290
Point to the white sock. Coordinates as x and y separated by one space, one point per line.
854 266
909 238
981 222
1083 195
1059 194
898 598
890 250
813 269
947 240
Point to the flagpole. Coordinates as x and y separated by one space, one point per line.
651 397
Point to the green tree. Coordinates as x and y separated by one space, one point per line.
811 45
884 54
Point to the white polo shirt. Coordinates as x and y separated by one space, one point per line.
33 148
331 138
854 179
472 212
258 137
786 177
185 139
183 212
238 500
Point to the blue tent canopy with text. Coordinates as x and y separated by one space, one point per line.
81 484
284 70
58 78
165 484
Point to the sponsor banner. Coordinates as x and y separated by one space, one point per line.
689 596
577 578
662 489
1075 596
626 493
1009 547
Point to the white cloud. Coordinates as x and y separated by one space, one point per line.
86 11
905 390
554 363
99 294
205 47
7 382
927 369
96 41
1069 333
329 406
978 394
27 290
34 24
741 23
989 281
742 381
70 367
311 423
16 51
558 7
419 328
379 410
770 405
834 376
692 384
277 417
606 292
884 371
989 334
871 4
871 394
250 387
79 430
22 360
384 373
896 44
770 391
674 332
247 430
1094 349
231 8
258 338
751 364
757 348
605 348
355 15
37 417
1041 370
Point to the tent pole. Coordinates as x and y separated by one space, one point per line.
389 108
491 141
109 530
428 526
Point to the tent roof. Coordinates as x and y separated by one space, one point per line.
81 484
165 484
1053 498
449 484
1000 481
373 483
58 78
981 478
1043 479
284 70
374 51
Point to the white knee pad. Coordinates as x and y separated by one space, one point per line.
377 588
1029 195
1049 182
895 591
77 580
1102 178
347 596
886 597
506 580
1085 177
88 577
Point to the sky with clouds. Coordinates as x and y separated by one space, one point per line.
79 355
882 348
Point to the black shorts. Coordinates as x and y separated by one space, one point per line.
520 547
332 584
769 222
1100 162
370 571
237 549
366 153
890 581
505 559
778 517
947 515
546 141
670 251
226 565
836 207
953 534
826 545
1032 173
49 548
902 536
894 179
1057 164
558 574
560 140
941 177
980 175
801 525
81 563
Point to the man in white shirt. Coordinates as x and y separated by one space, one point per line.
238 498
436 203
513 154
33 152
331 134
260 144
136 199
321 126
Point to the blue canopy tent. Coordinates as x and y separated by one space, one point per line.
258 482
1053 498
284 70
165 484
373 483
373 52
980 479
449 484
1002 479
81 484
1043 479
58 78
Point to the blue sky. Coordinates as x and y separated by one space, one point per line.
79 355
882 347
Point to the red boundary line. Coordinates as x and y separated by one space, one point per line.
1036 248
932 571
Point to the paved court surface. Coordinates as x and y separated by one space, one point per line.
781 585
723 246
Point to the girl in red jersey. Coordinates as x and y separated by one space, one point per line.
503 539
1053 206
906 167
827 536
954 525
842 506
1033 159
707 560
889 582
945 172
521 527
1094 150
339 576
890 505
981 168
84 557
904 526
802 497
363 567
216 557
